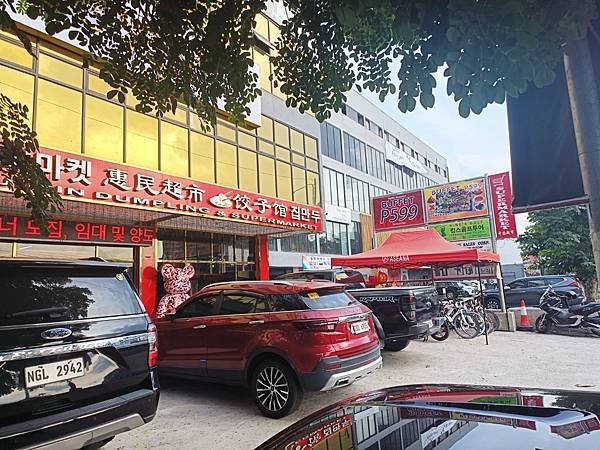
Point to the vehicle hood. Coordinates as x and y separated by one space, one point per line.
463 417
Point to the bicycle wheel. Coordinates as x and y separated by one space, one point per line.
494 319
468 325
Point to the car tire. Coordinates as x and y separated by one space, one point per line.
492 303
396 346
275 389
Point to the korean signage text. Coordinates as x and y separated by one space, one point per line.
459 200
504 218
23 228
464 230
77 177
398 211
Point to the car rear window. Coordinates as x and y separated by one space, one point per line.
327 299
307 276
41 295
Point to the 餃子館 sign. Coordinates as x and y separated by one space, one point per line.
458 200
78 177
398 211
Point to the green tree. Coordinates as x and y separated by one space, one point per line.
560 239
199 52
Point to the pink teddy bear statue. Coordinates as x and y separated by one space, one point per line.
177 284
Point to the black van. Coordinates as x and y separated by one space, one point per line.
77 354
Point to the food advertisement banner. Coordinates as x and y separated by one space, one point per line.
398 211
506 226
464 229
80 178
459 200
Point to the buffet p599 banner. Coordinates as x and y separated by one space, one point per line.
398 211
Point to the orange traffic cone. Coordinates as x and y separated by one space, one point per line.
524 324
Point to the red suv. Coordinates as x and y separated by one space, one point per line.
277 337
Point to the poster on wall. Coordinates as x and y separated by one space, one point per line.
504 219
316 262
464 230
458 200
398 211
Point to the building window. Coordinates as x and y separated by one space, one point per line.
355 238
357 195
142 141
334 241
331 141
202 153
355 153
302 243
333 185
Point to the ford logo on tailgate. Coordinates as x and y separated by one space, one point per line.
56 333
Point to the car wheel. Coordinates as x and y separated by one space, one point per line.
396 346
492 303
275 389
450 295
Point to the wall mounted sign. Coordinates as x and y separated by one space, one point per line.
398 211
78 177
504 219
23 228
338 214
458 200
316 262
465 271
464 229
480 244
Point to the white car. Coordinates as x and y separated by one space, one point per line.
472 287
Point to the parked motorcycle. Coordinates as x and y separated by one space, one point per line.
559 314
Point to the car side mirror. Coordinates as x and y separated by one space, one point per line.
507 288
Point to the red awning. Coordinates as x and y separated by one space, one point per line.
409 249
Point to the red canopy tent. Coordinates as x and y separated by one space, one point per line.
418 248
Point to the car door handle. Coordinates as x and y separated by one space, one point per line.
199 327
256 322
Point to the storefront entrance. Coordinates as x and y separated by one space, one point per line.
215 257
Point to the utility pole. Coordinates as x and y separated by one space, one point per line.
584 96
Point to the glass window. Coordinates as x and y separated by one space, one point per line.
248 170
274 32
298 159
174 149
97 84
265 131
48 295
227 165
296 141
325 299
262 26
284 180
203 306
299 185
266 147
518 284
141 140
538 282
196 123
264 70
355 238
311 164
180 115
247 140
242 304
282 136
282 153
202 154
310 146
313 188
15 53
225 131
266 167
58 123
302 243
103 129
18 86
59 70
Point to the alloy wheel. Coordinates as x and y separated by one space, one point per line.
272 388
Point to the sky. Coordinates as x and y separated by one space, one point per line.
474 146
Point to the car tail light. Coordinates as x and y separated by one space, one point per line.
317 325
410 308
152 346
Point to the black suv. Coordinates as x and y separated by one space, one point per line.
78 355
531 289
353 279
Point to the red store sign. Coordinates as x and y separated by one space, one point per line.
398 211
23 228
506 227
77 177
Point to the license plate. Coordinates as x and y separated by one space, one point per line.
53 372
359 327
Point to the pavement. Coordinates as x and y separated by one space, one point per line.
199 415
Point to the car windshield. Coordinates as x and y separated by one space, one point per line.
41 295
327 299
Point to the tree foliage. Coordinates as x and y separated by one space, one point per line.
199 53
560 239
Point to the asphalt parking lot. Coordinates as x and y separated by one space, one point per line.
197 415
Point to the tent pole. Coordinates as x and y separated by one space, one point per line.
487 341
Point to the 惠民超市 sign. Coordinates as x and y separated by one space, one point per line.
78 177
464 230
398 211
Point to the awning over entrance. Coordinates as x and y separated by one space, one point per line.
411 249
